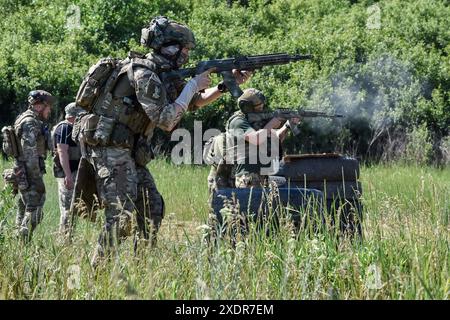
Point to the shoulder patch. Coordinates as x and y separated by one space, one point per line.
150 85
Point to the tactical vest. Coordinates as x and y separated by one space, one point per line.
42 139
74 151
235 115
231 141
116 120
215 149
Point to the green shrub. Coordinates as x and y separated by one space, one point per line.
445 149
399 70
418 148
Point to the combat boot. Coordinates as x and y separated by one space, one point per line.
154 228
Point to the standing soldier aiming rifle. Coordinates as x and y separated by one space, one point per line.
132 101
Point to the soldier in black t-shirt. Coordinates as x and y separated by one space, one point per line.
66 159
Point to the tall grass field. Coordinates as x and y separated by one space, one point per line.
404 253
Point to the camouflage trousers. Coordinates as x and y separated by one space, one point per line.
65 199
30 207
124 189
248 180
149 207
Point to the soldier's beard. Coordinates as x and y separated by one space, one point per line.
182 59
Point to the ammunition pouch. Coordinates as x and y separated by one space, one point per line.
77 126
42 165
87 127
143 152
103 130
115 126
10 178
17 177
58 171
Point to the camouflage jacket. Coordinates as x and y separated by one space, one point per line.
33 135
156 98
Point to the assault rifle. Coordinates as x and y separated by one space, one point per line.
258 119
225 67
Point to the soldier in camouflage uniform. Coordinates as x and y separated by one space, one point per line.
66 158
138 103
33 136
221 174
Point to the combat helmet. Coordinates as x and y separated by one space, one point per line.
250 99
162 31
37 96
72 110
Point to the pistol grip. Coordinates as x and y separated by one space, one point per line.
295 130
230 82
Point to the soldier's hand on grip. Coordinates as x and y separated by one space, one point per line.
203 80
242 76
294 121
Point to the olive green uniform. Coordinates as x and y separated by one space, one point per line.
248 165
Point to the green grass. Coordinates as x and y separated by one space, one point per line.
404 255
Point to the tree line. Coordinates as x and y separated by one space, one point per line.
383 64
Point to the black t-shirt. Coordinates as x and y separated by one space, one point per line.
63 135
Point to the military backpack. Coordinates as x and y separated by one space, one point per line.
94 81
10 144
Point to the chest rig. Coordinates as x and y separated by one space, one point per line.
117 118
42 133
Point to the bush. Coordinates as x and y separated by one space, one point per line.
387 78
445 149
419 146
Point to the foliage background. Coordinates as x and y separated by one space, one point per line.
392 82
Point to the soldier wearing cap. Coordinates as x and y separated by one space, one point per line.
128 114
33 136
249 169
66 157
